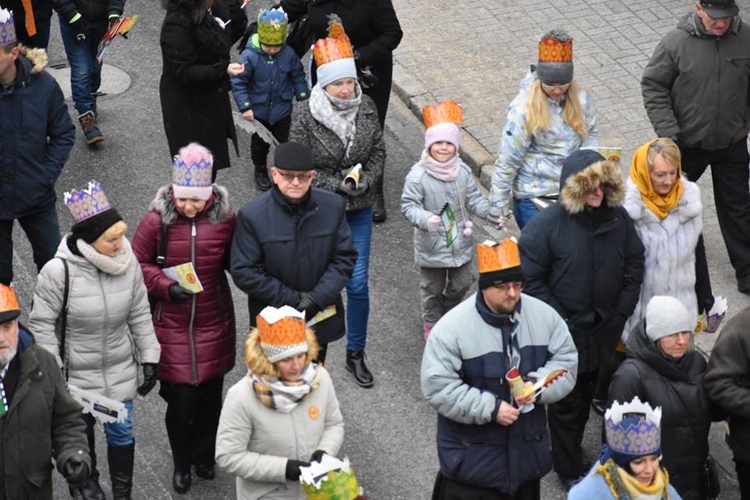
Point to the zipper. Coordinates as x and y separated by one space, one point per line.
105 331
191 333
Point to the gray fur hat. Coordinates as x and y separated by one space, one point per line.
555 57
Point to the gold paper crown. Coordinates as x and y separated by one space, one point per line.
8 299
498 256
336 46
552 50
444 112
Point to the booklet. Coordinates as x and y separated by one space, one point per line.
107 410
449 223
352 177
323 315
185 275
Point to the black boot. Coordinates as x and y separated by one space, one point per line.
378 209
121 470
262 182
90 130
355 363
181 479
91 489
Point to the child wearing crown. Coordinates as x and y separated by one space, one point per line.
264 82
439 193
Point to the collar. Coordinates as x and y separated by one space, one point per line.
296 208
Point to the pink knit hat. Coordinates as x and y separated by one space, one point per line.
449 132
191 173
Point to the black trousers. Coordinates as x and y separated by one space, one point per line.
743 477
448 489
259 148
729 171
567 421
192 420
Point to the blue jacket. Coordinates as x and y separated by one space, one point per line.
596 486
36 136
269 83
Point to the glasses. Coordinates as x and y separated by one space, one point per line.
302 178
506 287
556 86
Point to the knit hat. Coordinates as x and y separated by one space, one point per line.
92 212
334 56
293 156
272 26
499 263
665 316
9 308
719 9
191 173
632 430
555 58
7 27
282 332
443 122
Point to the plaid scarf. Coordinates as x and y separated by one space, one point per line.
284 396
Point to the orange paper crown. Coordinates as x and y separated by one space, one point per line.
444 112
555 51
336 46
498 256
285 332
8 299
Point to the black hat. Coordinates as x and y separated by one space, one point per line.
719 9
89 230
294 156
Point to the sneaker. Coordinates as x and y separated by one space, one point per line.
262 182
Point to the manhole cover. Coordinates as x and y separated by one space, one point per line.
114 80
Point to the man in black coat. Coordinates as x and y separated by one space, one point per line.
584 258
292 246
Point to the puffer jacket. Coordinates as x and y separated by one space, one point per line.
37 136
109 323
424 196
586 263
689 61
197 337
331 160
677 386
530 165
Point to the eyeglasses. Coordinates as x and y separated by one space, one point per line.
302 178
557 86
506 287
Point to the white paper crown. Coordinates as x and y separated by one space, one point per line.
633 428
7 27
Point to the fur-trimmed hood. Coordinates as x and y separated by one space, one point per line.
576 182
218 209
256 359
37 57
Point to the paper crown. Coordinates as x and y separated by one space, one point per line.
552 50
192 168
338 483
498 256
272 26
282 332
444 112
336 46
8 299
87 202
7 27
633 428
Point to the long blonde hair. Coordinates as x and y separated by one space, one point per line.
537 116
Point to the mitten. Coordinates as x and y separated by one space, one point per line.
149 379
433 223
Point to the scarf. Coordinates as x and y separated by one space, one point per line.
116 266
337 115
445 172
639 174
284 396
626 487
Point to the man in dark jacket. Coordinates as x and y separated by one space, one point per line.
584 258
292 246
37 136
697 92
39 420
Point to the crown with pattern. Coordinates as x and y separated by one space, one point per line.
633 428
553 50
444 112
282 332
338 482
335 46
272 26
87 202
7 27
8 299
192 173
498 256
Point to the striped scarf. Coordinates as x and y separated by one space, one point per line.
284 396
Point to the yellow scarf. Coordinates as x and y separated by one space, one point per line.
657 490
639 174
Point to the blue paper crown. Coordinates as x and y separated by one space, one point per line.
87 202
7 27
196 174
633 428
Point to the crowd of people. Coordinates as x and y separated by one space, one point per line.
594 306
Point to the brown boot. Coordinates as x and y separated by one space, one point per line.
90 130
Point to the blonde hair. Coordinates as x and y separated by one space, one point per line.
537 115
116 229
668 149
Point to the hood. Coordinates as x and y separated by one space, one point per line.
585 170
693 25
256 359
641 347
218 207
254 45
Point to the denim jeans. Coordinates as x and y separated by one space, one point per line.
85 72
118 433
524 210
358 290
43 232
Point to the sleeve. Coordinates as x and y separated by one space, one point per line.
333 433
238 17
632 278
728 375
68 428
145 248
592 134
115 7
562 353
47 306
536 260
65 9
299 82
703 291
373 167
656 87
140 321
388 34
412 203
514 144
181 55
476 202
340 266
60 132
241 83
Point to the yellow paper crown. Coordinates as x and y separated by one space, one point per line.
336 46
552 50
8 299
444 112
498 256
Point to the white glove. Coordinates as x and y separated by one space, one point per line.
433 223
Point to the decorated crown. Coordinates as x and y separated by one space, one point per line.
552 50
633 428
192 171
282 332
498 256
444 112
336 46
272 26
88 202
7 27
8 299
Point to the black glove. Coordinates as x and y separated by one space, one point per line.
149 378
79 26
292 469
348 188
75 470
705 304
307 303
317 456
179 294
113 18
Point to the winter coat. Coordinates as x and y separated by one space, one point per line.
463 371
269 83
43 422
281 250
597 486
687 62
42 11
676 386
670 250
95 12
728 381
424 196
530 165
197 337
194 80
37 136
109 323
255 442
586 263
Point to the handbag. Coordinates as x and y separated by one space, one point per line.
300 35
712 485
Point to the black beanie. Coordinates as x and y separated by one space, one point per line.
293 156
89 230
508 275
